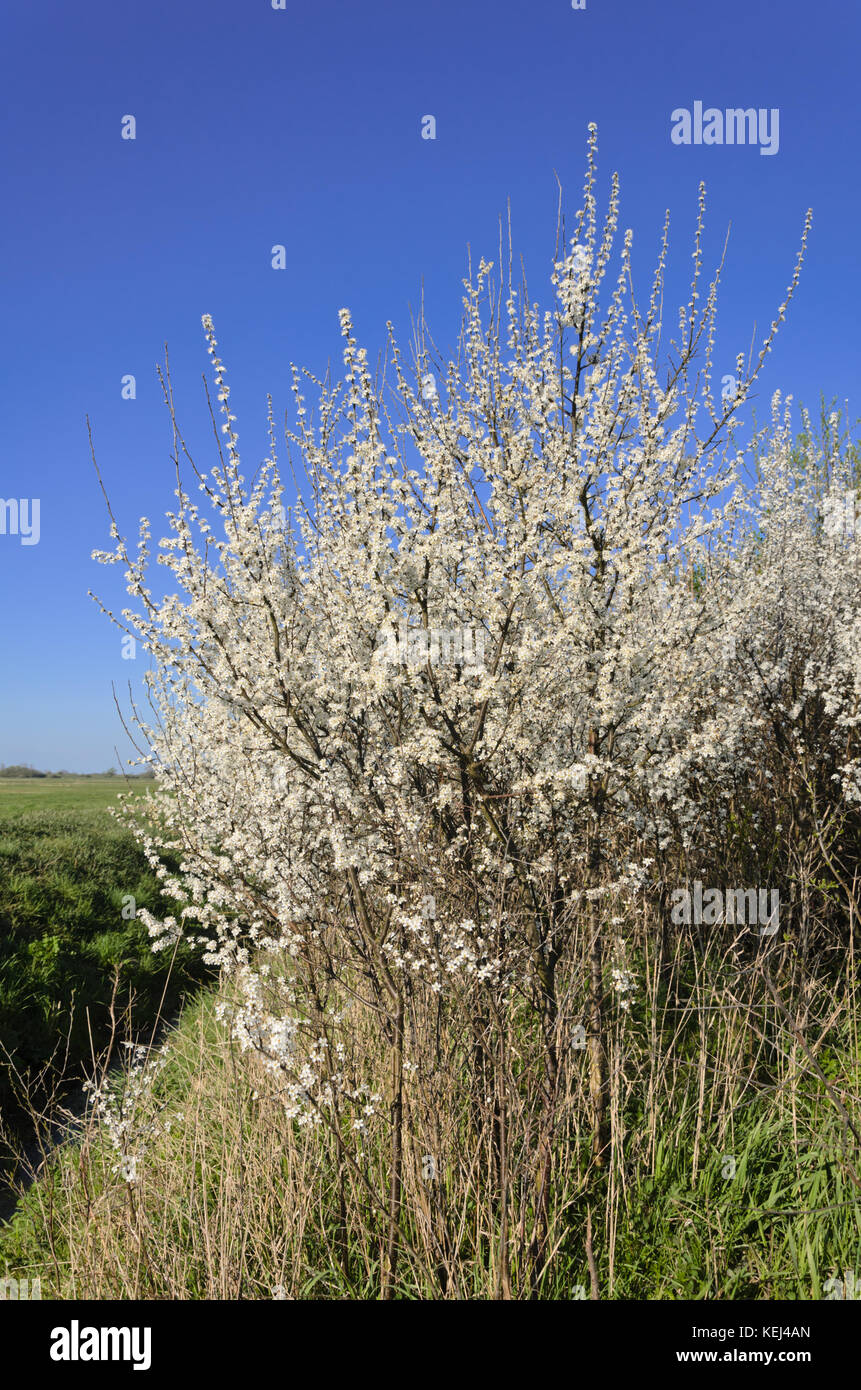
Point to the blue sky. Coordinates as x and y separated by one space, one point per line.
302 127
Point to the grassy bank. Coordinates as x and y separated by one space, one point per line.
728 1182
71 880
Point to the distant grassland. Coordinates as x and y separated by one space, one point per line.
20 796
66 871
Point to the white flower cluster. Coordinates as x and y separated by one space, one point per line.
624 984
124 1110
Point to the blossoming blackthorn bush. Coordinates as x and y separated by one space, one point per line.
669 681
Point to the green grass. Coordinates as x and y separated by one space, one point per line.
87 796
68 874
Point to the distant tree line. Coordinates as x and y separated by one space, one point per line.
26 770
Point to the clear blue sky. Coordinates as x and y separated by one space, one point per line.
303 127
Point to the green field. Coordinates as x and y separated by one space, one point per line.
71 879
19 796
